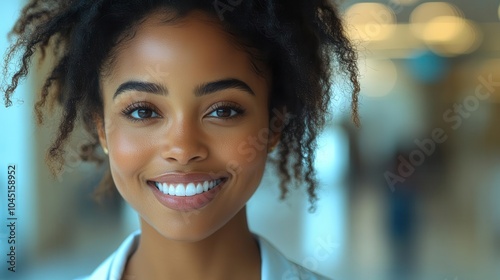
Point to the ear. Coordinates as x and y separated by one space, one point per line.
99 123
276 124
274 138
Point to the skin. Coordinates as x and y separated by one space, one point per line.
183 133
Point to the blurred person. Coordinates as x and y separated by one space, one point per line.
401 219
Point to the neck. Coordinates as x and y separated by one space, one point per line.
229 253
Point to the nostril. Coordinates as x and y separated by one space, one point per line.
184 158
185 151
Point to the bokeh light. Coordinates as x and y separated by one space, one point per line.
378 77
426 12
451 36
427 67
444 29
370 21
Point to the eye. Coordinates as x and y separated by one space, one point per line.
143 113
225 111
140 112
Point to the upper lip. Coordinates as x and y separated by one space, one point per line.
185 178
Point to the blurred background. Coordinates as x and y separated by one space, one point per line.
412 194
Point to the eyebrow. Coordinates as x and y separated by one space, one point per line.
141 86
220 85
201 90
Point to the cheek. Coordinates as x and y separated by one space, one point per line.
245 153
128 152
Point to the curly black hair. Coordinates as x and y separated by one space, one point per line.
303 42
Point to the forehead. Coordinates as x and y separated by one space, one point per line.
195 45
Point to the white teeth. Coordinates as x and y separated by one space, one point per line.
189 189
199 188
180 190
171 190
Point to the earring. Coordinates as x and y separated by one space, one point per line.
105 150
271 149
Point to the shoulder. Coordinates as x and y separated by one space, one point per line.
112 268
276 266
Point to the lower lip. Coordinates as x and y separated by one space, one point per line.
187 203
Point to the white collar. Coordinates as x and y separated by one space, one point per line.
274 265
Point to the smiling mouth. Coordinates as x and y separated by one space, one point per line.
188 189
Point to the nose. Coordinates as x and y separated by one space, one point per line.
183 143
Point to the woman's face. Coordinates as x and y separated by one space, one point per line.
186 125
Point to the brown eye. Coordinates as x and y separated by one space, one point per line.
223 113
140 112
144 113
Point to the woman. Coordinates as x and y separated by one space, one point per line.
187 99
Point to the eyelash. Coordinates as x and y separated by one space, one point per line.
240 111
127 112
